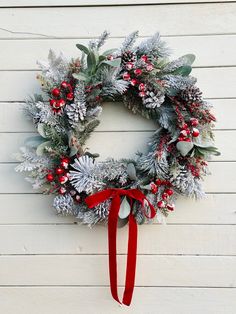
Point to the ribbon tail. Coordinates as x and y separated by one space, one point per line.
131 261
112 233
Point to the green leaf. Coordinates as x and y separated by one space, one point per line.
189 58
83 48
108 52
41 147
73 151
184 147
34 141
80 76
131 171
185 70
114 63
124 209
122 222
91 61
41 130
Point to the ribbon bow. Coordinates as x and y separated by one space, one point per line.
115 195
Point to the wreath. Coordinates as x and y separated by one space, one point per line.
118 191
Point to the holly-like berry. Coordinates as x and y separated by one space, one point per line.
70 96
62 190
161 204
158 182
169 192
64 84
138 72
170 206
77 198
195 132
142 94
164 196
154 188
183 133
129 65
61 103
50 177
149 67
134 82
142 87
126 76
194 121
144 58
63 179
59 170
56 92
65 162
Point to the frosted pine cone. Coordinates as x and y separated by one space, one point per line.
102 210
191 94
76 112
127 56
64 205
153 98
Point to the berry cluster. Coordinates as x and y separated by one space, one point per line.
189 130
133 73
60 96
166 194
59 176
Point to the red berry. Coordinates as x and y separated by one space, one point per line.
61 103
65 162
154 188
164 196
194 121
57 105
184 126
53 102
77 198
183 133
160 204
50 177
59 170
56 92
169 192
149 67
63 179
126 76
133 82
170 207
70 96
158 182
142 94
144 58
195 132
64 84
142 87
187 139
129 66
138 72
62 190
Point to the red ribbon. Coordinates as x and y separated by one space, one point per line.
115 195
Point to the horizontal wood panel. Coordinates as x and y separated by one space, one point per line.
118 144
214 209
174 271
13 182
97 300
153 239
209 80
209 50
219 18
42 3
122 118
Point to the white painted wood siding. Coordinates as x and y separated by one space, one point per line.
48 264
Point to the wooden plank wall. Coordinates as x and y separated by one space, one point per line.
49 264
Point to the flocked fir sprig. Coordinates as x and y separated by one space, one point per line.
68 110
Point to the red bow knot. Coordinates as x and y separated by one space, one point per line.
115 195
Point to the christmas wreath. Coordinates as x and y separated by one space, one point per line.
118 191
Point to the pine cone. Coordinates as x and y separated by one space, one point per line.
191 94
76 112
127 56
64 205
102 210
182 180
153 98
